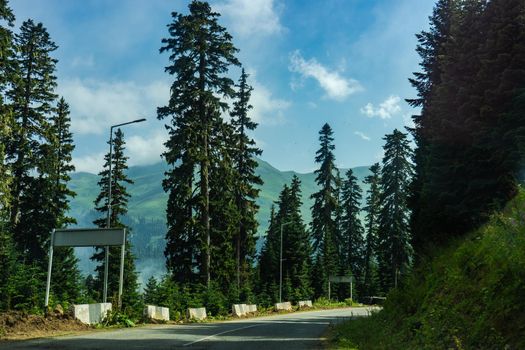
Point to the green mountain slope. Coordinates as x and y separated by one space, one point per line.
147 206
470 296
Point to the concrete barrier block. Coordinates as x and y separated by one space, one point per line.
91 313
305 303
197 313
252 308
239 310
287 306
157 313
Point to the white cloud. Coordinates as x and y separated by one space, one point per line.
335 86
140 151
95 105
386 109
267 109
146 150
250 17
362 135
91 163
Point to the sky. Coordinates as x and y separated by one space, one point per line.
342 62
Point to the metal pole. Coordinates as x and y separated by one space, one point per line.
108 219
281 266
121 280
351 297
281 261
328 290
49 268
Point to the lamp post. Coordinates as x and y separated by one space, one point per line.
281 262
108 219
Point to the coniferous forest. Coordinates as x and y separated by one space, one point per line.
449 174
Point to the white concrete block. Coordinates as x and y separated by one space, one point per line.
197 313
305 303
252 308
283 306
157 313
238 310
91 313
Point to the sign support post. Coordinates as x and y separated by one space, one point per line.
87 238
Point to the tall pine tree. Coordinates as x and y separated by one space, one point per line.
372 209
431 50
323 225
6 247
58 154
201 52
32 96
245 189
394 249
119 208
352 230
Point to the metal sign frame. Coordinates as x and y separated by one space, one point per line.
87 237
340 279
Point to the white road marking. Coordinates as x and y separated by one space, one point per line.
229 331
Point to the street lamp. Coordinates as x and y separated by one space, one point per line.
108 219
281 262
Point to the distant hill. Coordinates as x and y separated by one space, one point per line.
147 206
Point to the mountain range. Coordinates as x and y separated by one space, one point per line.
147 208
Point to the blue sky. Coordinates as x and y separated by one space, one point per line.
345 62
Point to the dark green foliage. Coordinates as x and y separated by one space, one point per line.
431 49
393 244
245 163
324 210
119 202
31 95
268 264
468 296
372 208
296 251
201 52
58 152
224 217
6 122
351 232
151 292
471 158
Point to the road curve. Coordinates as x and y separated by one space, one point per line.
301 330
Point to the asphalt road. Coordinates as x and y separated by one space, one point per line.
301 330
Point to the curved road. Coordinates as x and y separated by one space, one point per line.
300 330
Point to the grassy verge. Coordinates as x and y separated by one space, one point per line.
470 296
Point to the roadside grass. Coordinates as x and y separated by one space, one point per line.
470 296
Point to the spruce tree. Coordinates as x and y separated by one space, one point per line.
224 217
246 192
6 247
323 225
431 50
119 208
394 249
471 158
151 292
268 263
372 209
58 153
352 229
31 95
297 248
201 52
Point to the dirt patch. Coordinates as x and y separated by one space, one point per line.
21 325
